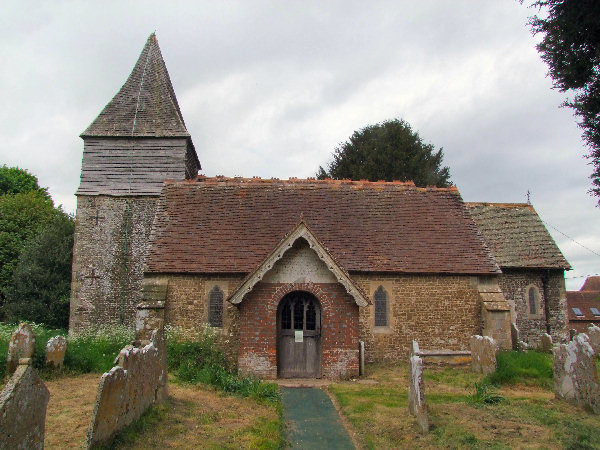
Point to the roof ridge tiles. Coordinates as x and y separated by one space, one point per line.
239 180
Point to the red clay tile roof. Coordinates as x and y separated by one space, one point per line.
229 225
147 98
591 284
516 236
584 300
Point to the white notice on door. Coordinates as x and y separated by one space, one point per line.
299 335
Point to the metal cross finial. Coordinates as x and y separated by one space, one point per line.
528 199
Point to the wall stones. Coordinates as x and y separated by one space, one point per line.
55 352
21 345
111 245
23 409
483 354
441 312
575 377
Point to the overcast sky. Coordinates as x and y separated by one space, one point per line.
269 88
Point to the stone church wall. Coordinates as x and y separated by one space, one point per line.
111 244
552 299
440 312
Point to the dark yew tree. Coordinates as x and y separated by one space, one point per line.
388 151
571 49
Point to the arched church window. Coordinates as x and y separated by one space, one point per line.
381 307
532 300
215 307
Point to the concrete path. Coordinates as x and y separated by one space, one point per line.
312 421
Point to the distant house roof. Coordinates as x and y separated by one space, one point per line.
591 284
516 236
146 105
230 225
584 305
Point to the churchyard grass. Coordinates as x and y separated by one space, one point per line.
196 358
527 415
530 367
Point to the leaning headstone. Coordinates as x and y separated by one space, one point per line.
572 334
514 334
483 354
55 352
593 333
546 343
575 377
416 393
23 404
21 345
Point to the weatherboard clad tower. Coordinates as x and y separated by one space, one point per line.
137 141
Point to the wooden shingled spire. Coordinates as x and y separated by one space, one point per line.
146 104
139 139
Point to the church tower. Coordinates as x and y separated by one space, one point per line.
136 142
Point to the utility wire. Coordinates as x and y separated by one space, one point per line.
569 237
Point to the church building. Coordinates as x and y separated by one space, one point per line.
292 274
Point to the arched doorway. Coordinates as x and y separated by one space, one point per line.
299 336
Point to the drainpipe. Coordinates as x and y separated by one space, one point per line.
545 280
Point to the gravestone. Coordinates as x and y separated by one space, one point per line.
514 334
575 377
593 333
23 404
416 392
21 345
546 343
55 352
483 354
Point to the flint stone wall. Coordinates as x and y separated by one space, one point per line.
483 354
416 389
55 352
21 345
23 410
128 390
575 377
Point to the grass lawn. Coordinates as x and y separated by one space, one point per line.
530 416
195 417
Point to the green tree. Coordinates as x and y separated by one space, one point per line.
389 151
571 49
19 181
41 282
21 216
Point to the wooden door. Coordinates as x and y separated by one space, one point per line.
299 336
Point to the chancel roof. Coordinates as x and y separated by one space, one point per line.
146 105
517 236
230 225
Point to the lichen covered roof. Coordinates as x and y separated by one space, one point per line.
146 104
230 225
517 236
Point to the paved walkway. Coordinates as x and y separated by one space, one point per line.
312 421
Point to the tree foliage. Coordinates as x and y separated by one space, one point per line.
41 282
19 181
571 49
389 151
35 268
